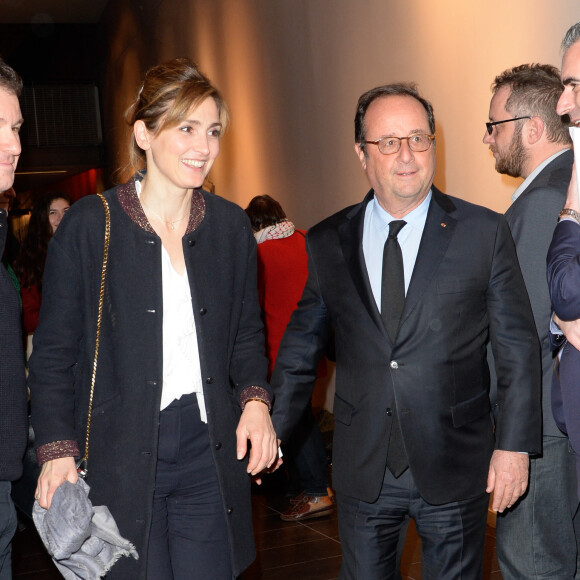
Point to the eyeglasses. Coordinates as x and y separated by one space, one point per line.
490 126
417 142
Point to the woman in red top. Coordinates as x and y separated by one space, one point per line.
282 273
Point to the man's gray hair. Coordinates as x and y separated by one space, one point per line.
571 37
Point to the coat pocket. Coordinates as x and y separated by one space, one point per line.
342 410
472 409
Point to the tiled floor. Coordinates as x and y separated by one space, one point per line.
310 550
286 550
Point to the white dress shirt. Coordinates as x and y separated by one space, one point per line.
375 234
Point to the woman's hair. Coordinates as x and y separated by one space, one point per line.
29 266
169 91
264 211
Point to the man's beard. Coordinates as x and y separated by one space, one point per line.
512 162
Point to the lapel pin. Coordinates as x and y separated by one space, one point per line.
443 225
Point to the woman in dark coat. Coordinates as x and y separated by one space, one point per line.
181 357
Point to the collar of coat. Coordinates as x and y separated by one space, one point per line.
129 200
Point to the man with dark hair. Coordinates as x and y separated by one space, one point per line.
536 537
13 422
410 284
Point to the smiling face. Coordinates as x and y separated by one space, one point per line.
401 181
505 141
569 103
180 157
10 122
56 211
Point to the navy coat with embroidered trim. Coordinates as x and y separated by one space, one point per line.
220 256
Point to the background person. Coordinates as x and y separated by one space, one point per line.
181 359
282 273
563 270
536 537
45 217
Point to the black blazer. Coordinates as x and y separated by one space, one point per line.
466 287
532 219
13 413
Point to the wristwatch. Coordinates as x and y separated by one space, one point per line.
571 213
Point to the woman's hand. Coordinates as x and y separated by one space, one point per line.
256 426
53 473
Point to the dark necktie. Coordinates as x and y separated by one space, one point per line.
393 281
392 302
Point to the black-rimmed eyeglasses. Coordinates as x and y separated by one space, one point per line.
417 142
490 126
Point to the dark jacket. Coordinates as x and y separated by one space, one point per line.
13 415
220 255
564 283
532 219
466 288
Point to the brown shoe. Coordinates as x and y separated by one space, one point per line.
310 507
297 498
300 497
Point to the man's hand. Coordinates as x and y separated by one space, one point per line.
507 478
52 474
256 426
571 330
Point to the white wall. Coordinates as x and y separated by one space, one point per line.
292 71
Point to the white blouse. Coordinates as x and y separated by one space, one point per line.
181 366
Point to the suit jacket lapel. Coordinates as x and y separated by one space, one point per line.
439 229
350 235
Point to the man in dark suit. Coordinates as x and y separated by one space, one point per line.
536 537
13 420
564 268
413 430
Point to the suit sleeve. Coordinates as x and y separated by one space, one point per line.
302 346
249 365
532 227
516 352
564 270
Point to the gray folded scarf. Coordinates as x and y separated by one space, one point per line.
83 541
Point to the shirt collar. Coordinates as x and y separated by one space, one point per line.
526 182
415 218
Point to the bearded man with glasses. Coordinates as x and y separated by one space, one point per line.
536 538
409 285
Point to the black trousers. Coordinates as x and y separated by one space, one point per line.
452 534
189 537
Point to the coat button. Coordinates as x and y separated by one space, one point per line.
191 243
218 446
209 380
203 311
151 311
389 412
394 364
230 511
